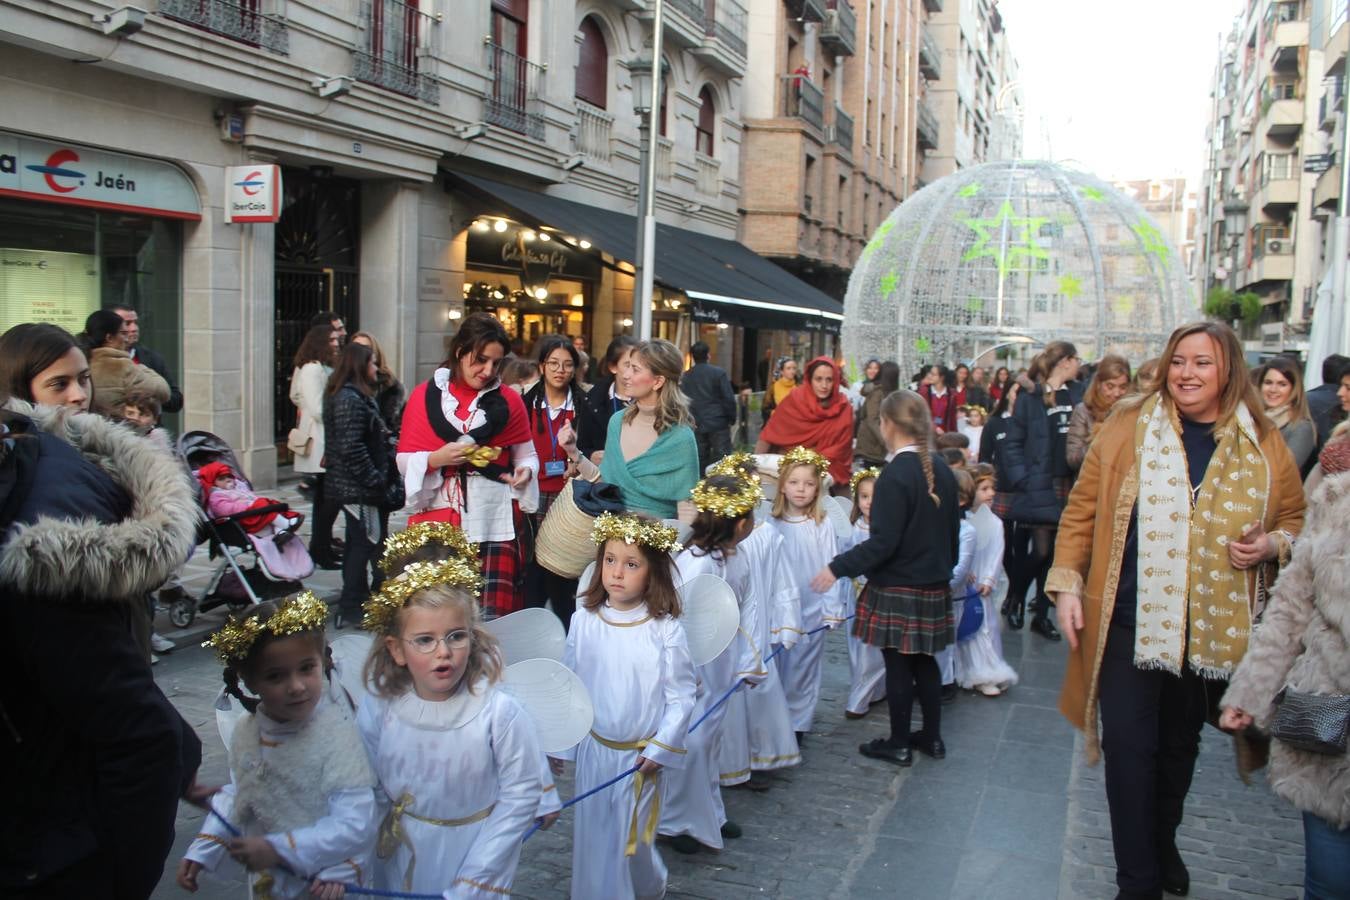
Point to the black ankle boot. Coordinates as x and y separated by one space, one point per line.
1176 879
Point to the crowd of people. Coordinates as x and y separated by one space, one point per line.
1152 516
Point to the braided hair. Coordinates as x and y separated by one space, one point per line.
908 413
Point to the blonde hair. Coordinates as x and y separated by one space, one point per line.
909 413
1111 366
856 513
1237 387
390 680
672 407
780 506
1288 370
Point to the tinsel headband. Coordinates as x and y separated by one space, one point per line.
803 456
726 502
859 477
398 547
977 408
635 530
303 612
741 464
384 605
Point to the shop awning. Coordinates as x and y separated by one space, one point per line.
744 287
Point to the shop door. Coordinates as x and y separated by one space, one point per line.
316 270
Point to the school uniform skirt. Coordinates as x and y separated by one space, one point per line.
908 619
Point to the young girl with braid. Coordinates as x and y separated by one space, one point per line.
908 557
301 789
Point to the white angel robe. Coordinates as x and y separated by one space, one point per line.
770 742
335 847
641 681
866 668
752 646
959 586
808 546
460 785
980 656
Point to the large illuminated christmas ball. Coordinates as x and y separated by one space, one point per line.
996 260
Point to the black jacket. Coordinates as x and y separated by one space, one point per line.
389 399
592 420
1031 454
1324 405
358 459
152 360
93 757
911 542
711 399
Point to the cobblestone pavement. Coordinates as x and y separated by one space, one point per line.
1011 813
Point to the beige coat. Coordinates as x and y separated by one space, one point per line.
1304 642
115 375
307 387
1091 545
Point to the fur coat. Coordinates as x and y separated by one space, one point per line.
93 757
1304 642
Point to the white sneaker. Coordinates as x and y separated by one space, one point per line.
160 644
154 660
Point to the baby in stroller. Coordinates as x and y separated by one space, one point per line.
272 533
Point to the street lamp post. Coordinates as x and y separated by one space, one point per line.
647 72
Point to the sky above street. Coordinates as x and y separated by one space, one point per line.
1118 88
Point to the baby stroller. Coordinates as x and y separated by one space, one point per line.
242 576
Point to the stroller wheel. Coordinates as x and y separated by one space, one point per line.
182 612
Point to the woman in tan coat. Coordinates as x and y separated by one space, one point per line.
1186 492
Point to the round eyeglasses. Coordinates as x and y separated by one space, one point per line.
454 640
553 366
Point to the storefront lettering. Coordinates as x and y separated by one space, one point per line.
555 260
120 183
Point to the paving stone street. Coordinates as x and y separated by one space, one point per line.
1012 812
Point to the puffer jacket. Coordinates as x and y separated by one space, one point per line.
93 757
359 459
1026 458
1304 642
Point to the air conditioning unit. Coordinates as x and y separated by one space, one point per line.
1277 246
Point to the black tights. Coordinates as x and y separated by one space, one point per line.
1033 549
905 672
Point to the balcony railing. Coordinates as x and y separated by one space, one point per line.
1330 104
512 99
930 56
694 9
394 35
594 127
709 175
803 100
665 159
926 125
841 131
726 22
839 31
241 21
933 6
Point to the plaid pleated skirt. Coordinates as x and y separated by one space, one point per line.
503 566
908 619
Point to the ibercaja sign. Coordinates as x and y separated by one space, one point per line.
253 193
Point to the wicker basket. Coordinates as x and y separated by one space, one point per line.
564 544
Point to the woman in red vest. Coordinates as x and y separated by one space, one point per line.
451 475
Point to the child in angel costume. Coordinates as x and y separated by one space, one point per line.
628 648
960 582
300 790
458 760
810 542
866 669
980 663
692 812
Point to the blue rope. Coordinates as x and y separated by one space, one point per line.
579 797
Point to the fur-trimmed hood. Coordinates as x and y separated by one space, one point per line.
89 561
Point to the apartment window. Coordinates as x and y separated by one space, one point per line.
867 210
510 21
592 65
707 119
867 125
881 137
808 183
841 201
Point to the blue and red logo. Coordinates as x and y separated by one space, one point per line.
252 184
55 168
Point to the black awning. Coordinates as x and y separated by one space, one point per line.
716 273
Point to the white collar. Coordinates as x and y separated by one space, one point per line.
908 448
442 715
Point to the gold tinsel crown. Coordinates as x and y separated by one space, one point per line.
977 408
303 612
725 502
398 547
384 605
859 477
803 456
741 464
635 530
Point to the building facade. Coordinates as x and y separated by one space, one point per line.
1259 223
436 157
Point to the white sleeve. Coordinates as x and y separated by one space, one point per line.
312 383
549 801
991 558
337 845
420 482
208 847
667 745
965 555
836 599
490 865
783 595
523 454
570 661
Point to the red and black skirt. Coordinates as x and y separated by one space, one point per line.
908 619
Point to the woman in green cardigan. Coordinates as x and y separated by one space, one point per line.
650 451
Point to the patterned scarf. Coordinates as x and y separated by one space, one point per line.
1189 592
